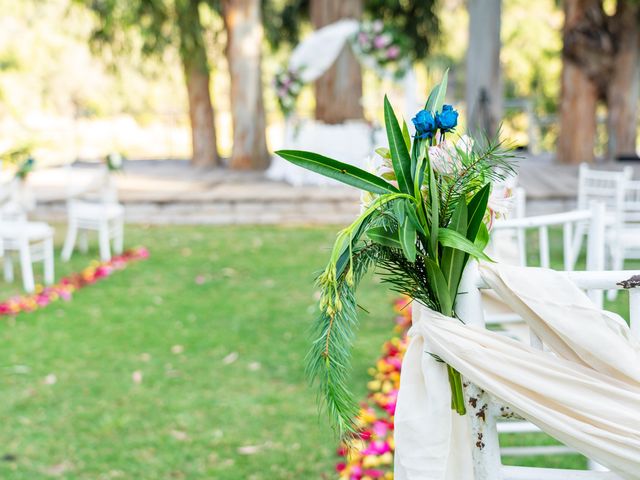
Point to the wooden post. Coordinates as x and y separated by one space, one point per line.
484 79
339 90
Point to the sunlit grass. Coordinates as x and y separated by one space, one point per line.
187 365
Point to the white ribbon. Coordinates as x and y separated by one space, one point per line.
586 395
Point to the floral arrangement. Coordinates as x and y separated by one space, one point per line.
25 168
423 218
114 162
382 48
288 84
68 285
373 456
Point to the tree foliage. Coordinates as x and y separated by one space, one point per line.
417 20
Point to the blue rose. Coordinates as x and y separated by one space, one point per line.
425 124
447 119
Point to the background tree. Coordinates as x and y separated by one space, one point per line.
160 24
484 80
600 62
339 91
243 24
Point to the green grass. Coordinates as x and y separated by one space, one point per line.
192 413
197 413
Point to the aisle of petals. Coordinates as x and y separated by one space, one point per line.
65 288
372 457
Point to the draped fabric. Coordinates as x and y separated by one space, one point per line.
319 51
585 392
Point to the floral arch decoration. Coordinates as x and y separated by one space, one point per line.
377 46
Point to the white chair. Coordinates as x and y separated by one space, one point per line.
513 233
31 242
589 220
95 207
607 187
624 238
485 413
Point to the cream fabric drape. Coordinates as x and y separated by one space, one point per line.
586 393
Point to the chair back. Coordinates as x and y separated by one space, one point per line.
593 217
101 188
469 308
603 186
632 203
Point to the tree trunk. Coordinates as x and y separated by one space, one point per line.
484 79
203 130
622 89
243 24
579 94
339 90
196 72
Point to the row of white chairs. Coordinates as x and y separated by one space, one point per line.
608 215
94 207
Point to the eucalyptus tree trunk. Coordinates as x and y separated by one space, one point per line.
484 79
201 116
581 56
243 24
622 89
196 72
339 90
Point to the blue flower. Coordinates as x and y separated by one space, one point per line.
425 124
447 119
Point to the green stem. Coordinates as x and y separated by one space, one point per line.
457 393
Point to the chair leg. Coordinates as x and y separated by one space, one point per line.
70 241
27 268
8 268
83 241
118 240
103 238
48 262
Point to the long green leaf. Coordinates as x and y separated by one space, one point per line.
437 95
399 153
482 238
439 286
340 171
408 240
406 135
435 211
410 210
388 238
477 208
451 238
453 259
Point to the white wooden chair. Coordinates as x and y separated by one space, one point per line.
608 187
590 220
593 220
624 239
486 412
95 207
31 242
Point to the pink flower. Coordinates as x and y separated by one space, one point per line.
373 473
382 41
393 52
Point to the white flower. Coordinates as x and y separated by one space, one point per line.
445 157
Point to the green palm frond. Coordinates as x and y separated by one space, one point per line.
329 359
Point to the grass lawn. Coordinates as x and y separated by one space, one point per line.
216 323
188 365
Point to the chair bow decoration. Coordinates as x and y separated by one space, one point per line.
423 217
